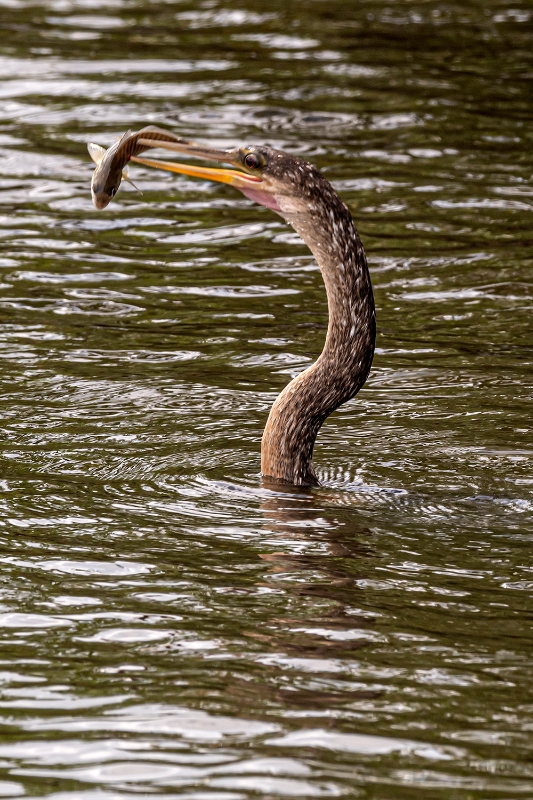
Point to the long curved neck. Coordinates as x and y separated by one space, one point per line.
340 371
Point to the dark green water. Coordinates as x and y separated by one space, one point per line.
169 628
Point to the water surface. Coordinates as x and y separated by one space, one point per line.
169 627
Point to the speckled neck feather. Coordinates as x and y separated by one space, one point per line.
326 226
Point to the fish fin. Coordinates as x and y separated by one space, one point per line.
96 152
128 180
124 136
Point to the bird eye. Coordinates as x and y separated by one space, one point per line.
112 191
252 161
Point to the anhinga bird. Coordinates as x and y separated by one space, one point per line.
297 191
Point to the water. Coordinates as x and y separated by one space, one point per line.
169 627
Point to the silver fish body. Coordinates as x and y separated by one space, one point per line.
111 165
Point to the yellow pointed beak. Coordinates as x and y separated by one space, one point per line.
241 180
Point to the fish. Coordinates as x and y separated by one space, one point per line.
111 165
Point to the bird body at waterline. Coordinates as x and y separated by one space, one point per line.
299 192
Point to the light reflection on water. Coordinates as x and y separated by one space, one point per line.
168 624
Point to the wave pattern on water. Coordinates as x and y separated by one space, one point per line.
168 624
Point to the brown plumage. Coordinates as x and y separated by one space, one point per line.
296 190
324 223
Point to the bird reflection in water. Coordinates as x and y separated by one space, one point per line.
328 575
293 516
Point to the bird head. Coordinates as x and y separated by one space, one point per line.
285 183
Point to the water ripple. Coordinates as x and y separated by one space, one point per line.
169 622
